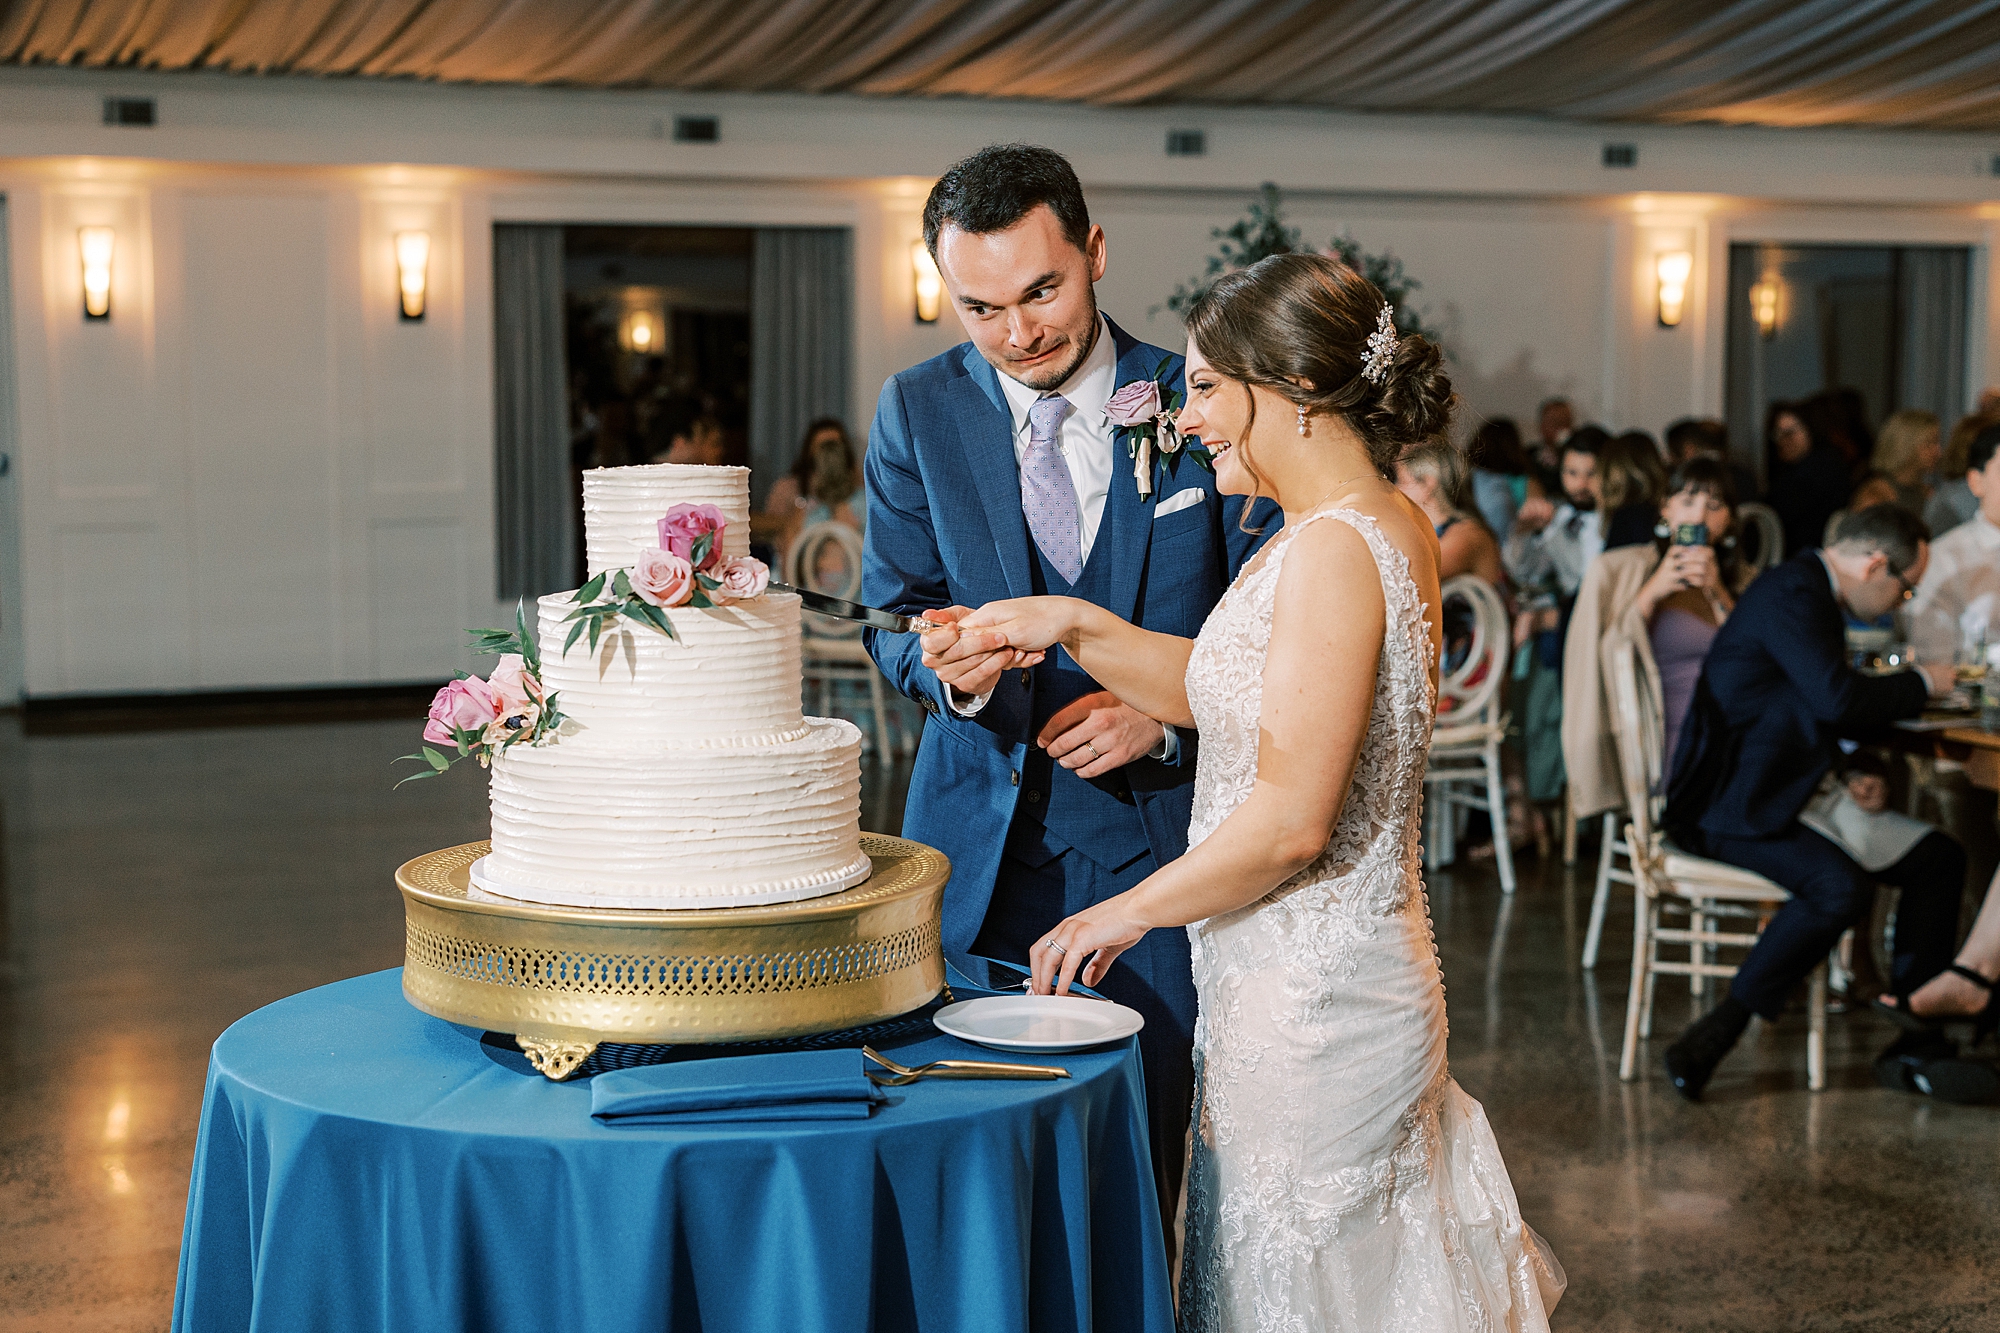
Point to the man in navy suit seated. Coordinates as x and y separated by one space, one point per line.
1776 693
993 473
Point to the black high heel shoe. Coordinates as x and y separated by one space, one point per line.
1983 1023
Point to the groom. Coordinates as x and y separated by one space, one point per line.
992 473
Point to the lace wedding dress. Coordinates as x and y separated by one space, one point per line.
1341 1180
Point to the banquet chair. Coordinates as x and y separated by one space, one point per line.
1725 906
1614 866
1470 726
1770 540
831 650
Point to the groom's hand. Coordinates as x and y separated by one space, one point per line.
969 661
1097 734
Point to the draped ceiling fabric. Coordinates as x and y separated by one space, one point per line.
1928 64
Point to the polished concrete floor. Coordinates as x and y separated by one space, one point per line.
156 886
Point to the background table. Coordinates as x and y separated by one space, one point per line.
363 1166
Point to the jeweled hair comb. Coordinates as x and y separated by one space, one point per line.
1381 347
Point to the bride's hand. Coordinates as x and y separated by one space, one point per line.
1028 623
1083 947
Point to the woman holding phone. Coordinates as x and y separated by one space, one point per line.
1668 596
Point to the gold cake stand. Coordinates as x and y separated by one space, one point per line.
563 979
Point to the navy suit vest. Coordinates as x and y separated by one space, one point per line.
1059 810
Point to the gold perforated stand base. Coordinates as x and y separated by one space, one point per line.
563 979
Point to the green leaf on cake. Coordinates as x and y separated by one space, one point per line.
436 760
702 546
699 601
705 581
528 651
575 633
590 590
621 587
596 628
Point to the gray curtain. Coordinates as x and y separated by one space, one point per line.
801 322
1931 361
536 520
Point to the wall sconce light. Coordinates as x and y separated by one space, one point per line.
96 245
1673 267
1764 306
930 283
640 333
413 257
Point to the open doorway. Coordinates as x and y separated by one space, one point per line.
657 335
1865 331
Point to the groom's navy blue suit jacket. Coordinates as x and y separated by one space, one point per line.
945 528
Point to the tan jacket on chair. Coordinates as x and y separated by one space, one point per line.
1606 603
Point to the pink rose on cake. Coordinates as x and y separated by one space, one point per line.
519 695
685 525
664 578
463 705
741 579
1134 405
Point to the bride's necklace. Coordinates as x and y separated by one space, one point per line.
1336 490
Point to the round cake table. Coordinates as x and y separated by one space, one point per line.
363 1166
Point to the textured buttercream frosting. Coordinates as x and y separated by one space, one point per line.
686 775
611 825
622 508
730 678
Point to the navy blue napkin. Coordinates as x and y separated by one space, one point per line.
789 1085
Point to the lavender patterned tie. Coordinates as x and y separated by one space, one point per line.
1048 495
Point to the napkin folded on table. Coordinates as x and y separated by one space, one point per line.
787 1085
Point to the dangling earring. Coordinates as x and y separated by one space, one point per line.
1304 429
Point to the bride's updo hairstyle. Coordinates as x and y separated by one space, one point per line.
1308 318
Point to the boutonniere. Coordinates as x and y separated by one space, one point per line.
1142 415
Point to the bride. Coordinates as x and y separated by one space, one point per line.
1340 1180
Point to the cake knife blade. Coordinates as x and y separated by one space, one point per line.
841 609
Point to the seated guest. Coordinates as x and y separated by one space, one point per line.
1631 480
1907 453
1958 603
1550 550
1501 474
1668 598
1433 477
1553 544
1953 502
824 486
1809 477
1705 435
700 441
1775 695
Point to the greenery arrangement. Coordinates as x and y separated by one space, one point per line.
1262 232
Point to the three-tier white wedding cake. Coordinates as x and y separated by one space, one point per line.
685 774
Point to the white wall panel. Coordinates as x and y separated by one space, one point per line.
105 589
414 566
258 410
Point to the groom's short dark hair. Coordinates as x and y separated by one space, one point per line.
999 185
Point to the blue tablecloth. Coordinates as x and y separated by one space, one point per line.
363 1166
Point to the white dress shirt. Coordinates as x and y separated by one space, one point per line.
1089 451
1959 600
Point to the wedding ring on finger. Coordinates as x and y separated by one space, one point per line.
1051 944
1092 747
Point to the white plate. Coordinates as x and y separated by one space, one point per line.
1038 1022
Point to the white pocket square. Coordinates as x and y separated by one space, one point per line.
1178 501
